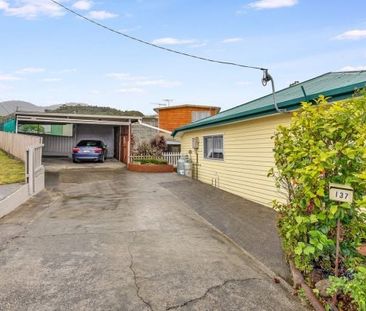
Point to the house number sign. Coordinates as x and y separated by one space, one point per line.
340 193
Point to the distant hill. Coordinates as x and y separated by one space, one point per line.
10 106
86 109
54 107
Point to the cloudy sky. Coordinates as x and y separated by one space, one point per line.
49 56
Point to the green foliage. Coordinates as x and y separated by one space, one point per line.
153 161
32 128
86 109
325 143
355 288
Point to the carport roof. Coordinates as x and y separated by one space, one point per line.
72 118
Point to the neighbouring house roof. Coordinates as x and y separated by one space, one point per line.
336 85
186 106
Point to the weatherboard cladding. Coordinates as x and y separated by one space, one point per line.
333 84
248 156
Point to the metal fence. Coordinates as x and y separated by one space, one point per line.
171 157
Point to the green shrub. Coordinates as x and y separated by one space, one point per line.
355 288
153 161
325 143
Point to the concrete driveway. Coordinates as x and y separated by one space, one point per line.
116 240
58 164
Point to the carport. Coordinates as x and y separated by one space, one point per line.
61 131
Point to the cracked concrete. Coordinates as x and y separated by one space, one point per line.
135 276
194 300
116 240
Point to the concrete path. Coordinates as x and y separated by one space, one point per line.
252 226
6 190
115 240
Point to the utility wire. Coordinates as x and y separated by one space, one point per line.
152 44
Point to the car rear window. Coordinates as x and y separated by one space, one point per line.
90 143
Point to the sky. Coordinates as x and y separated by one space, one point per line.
49 56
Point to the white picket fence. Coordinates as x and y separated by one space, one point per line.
171 157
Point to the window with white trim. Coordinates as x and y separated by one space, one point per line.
213 147
198 115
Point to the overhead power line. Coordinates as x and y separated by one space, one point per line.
152 44
266 76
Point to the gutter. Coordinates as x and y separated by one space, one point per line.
154 127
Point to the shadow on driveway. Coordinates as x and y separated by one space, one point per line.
251 225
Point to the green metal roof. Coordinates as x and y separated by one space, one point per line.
336 85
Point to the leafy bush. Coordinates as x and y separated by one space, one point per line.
145 149
355 288
156 147
159 144
325 143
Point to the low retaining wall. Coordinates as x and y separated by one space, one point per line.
11 202
23 194
151 168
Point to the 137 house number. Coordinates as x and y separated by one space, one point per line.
340 193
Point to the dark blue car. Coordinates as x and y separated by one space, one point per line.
92 150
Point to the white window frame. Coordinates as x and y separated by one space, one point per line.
204 147
199 113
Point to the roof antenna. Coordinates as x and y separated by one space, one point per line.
266 78
168 101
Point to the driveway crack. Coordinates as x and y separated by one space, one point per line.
131 267
209 290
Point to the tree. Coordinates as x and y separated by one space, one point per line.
32 128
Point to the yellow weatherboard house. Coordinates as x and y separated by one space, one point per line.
234 148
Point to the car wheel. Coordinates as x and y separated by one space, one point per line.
75 161
102 159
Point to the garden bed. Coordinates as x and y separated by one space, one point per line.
150 168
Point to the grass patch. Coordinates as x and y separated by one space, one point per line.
152 161
12 170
